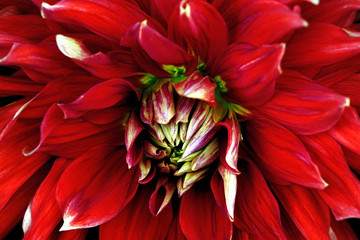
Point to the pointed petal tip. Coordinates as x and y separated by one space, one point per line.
28 152
347 102
70 47
44 5
67 224
315 2
305 23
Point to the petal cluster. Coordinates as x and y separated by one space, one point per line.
179 119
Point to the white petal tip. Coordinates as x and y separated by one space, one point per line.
44 5
315 2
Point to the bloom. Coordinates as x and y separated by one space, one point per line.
180 119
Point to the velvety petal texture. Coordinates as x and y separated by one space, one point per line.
101 186
179 119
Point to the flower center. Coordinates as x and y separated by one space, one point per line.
178 126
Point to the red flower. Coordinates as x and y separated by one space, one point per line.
222 119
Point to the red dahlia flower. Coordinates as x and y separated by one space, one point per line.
169 119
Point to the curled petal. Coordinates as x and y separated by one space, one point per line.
208 155
133 143
302 105
102 95
155 45
202 136
184 106
104 189
229 155
224 190
114 64
70 137
197 87
311 46
163 102
161 197
248 73
283 158
198 27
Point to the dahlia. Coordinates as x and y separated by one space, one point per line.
179 119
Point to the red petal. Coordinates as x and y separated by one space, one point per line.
283 158
156 46
163 9
353 159
224 190
292 2
208 155
30 27
201 218
290 229
202 136
23 6
349 87
249 73
198 27
147 108
347 130
16 169
331 11
184 106
342 230
197 87
43 214
106 18
343 193
311 46
77 234
162 195
306 209
229 150
104 189
256 209
103 95
42 62
163 102
302 105
14 210
133 142
113 64
197 119
18 86
175 232
136 221
257 22
71 137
